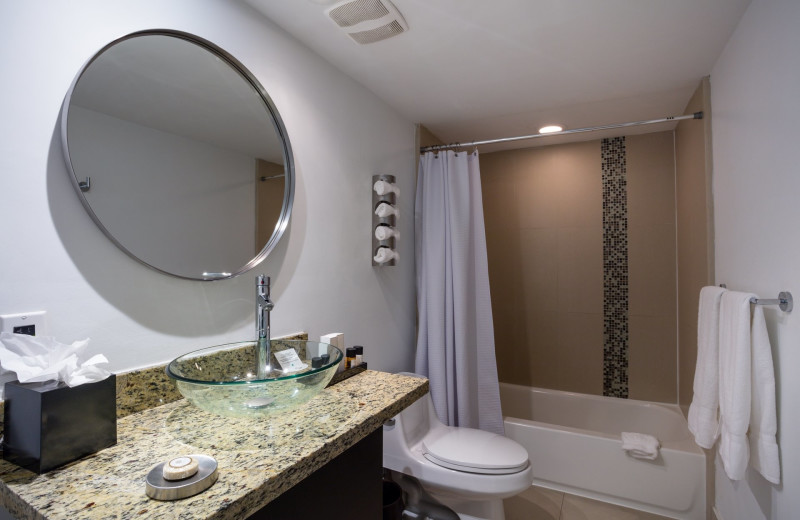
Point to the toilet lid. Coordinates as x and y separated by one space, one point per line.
475 451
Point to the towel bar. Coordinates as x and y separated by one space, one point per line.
784 300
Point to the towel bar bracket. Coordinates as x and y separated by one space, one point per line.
785 301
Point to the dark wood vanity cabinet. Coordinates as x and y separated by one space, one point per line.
347 488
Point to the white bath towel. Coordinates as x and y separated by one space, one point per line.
703 411
640 445
764 455
734 382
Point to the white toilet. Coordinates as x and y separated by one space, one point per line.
470 471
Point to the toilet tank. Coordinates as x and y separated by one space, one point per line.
408 429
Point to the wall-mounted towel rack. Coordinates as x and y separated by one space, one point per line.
784 301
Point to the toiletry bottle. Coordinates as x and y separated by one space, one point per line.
351 358
359 354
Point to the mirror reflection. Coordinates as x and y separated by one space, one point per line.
184 160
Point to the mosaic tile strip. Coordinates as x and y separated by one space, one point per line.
615 268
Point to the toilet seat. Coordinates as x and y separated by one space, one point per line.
474 451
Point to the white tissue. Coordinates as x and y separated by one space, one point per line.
42 358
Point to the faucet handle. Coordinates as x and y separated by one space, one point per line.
262 291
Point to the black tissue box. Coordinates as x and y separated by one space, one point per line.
50 424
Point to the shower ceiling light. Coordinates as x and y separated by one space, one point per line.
549 129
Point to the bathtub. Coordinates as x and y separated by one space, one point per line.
573 441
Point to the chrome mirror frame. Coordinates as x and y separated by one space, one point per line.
81 185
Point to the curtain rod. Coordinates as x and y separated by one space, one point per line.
696 115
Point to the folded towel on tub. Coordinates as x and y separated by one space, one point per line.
640 445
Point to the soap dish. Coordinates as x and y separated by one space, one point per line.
159 488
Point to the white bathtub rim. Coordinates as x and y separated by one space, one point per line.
573 438
672 410
672 407
684 445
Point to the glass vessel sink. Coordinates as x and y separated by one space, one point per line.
224 379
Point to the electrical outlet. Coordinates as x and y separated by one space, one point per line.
30 323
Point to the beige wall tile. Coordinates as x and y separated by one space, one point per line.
505 264
511 344
579 183
510 329
498 189
651 270
652 360
580 269
544 232
539 268
542 336
579 352
536 185
652 278
651 179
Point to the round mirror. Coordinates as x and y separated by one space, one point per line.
179 155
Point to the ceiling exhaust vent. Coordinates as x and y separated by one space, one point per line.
368 21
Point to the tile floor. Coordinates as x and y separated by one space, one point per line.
539 503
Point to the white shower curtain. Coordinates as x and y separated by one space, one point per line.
455 341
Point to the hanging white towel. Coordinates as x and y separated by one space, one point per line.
640 445
703 411
734 382
764 455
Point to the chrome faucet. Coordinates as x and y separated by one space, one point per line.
263 307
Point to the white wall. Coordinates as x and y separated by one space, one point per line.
54 258
189 216
755 96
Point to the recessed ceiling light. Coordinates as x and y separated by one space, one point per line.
549 129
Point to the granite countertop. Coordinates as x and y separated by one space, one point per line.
258 460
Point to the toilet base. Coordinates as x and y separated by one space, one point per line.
474 509
427 504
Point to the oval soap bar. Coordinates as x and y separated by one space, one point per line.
180 468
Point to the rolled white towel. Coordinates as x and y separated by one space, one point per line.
383 188
385 209
384 254
640 445
385 232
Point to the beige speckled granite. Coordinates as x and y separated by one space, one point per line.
258 460
140 390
